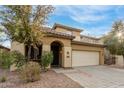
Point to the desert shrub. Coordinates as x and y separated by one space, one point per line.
3 79
30 72
110 60
46 59
6 59
18 59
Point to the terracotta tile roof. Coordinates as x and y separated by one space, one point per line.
51 32
90 37
66 27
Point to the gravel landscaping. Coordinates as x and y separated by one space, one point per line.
48 79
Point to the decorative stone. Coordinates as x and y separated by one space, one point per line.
13 67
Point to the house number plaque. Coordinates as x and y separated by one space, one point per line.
67 54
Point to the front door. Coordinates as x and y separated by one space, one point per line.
56 48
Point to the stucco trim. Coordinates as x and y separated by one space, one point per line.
59 36
87 44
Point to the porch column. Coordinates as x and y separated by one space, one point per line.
16 46
67 57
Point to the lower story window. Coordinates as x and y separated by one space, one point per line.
33 53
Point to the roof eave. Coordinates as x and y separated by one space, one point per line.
58 35
66 27
4 48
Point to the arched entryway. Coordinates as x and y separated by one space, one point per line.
56 48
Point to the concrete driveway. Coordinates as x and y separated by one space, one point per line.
95 76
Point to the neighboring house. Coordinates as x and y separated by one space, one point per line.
2 49
70 49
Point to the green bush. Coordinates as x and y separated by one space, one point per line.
46 59
18 59
8 58
30 72
3 79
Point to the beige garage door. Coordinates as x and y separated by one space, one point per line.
84 58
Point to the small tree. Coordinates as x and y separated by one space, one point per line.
24 23
114 40
18 59
121 49
112 45
7 58
46 59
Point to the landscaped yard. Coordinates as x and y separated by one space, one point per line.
49 79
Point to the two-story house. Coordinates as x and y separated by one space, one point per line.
69 47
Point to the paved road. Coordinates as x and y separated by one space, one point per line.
96 76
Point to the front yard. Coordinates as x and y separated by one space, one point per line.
31 74
48 79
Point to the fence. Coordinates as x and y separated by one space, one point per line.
114 60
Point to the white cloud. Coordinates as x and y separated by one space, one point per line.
84 14
96 32
95 20
87 18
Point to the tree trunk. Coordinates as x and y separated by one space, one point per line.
29 53
36 53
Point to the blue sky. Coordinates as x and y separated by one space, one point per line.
94 20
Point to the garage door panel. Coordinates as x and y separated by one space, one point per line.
84 58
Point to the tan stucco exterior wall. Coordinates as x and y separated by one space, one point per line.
67 57
77 35
46 46
90 48
87 48
74 33
3 50
15 46
67 48
63 41
58 29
